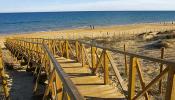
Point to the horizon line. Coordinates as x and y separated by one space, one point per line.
84 11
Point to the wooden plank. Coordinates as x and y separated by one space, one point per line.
141 79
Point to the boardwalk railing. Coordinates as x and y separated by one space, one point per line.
59 85
2 75
97 58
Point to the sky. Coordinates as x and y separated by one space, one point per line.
84 5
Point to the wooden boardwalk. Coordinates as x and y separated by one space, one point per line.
90 86
70 67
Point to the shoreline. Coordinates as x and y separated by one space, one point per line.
87 27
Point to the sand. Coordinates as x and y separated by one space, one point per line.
97 32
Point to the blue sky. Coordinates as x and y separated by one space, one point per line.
84 5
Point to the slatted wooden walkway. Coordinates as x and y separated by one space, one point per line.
90 86
71 66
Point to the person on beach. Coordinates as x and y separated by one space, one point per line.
90 27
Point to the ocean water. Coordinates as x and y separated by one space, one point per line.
30 22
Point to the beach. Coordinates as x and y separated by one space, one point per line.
76 33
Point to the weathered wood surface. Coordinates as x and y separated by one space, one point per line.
90 86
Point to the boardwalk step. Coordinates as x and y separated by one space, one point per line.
89 85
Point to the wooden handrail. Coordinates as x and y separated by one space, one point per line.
162 61
158 60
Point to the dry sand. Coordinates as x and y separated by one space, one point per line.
97 32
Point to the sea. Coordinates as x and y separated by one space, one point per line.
44 21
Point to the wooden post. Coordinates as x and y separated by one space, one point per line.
61 48
106 68
132 78
53 47
67 50
126 66
77 50
161 69
93 59
170 89
49 45
82 55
